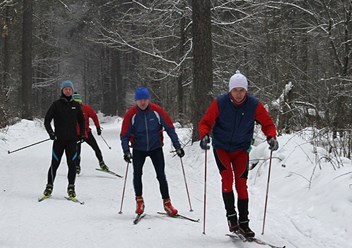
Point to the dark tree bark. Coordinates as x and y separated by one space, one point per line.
120 85
202 62
181 73
5 69
27 60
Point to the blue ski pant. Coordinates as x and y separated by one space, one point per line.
157 157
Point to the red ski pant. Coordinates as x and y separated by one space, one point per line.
233 165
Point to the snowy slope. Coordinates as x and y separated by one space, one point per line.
297 216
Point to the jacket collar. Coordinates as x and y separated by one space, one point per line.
237 104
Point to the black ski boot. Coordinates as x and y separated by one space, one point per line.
103 166
243 220
229 201
233 223
71 191
245 230
48 190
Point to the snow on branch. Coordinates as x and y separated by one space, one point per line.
292 5
65 5
6 3
279 102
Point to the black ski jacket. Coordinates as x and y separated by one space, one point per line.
66 115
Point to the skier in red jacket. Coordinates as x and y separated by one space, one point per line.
231 118
89 112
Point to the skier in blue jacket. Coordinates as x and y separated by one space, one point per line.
143 126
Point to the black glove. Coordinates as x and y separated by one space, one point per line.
82 138
204 142
99 131
127 156
52 136
273 144
180 152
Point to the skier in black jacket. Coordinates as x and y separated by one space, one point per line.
66 114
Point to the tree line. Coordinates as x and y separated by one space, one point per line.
295 53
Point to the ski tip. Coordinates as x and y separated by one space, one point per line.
138 218
74 199
109 172
42 198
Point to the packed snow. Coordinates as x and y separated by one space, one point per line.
309 202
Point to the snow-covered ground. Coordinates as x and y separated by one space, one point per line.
307 207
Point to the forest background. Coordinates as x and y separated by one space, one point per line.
295 53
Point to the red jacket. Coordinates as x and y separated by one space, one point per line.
88 112
232 126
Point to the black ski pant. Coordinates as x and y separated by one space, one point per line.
93 143
157 157
59 146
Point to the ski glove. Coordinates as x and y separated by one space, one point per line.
127 157
52 136
81 139
99 131
180 152
273 144
204 142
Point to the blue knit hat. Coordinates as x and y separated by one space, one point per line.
66 83
142 93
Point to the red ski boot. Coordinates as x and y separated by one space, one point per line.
170 210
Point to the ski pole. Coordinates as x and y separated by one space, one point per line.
28 146
205 189
124 187
105 141
267 191
184 176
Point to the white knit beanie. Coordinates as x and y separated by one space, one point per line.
238 80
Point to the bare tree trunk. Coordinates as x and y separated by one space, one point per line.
27 60
5 70
120 84
115 79
181 72
202 62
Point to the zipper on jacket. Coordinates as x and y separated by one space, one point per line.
241 118
233 131
146 129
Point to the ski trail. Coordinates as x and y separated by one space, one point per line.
56 222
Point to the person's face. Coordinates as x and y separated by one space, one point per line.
238 93
67 91
143 103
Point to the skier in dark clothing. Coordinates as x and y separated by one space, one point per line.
66 114
231 118
143 126
89 112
